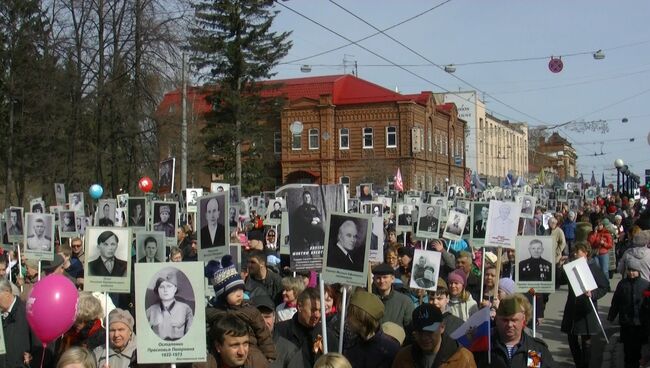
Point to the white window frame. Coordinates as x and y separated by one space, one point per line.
363 137
313 132
296 138
341 135
388 134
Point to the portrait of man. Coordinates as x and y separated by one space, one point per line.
307 224
552 204
425 269
405 218
429 222
573 204
137 213
454 226
481 212
152 250
503 224
233 216
353 205
346 249
277 210
68 222
122 200
165 218
562 195
213 233
107 264
107 215
527 207
59 193
166 174
590 193
76 201
366 192
192 196
38 239
169 317
235 194
535 268
15 224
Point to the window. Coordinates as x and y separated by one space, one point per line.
296 142
391 137
445 145
277 143
313 139
344 138
344 180
367 137
429 140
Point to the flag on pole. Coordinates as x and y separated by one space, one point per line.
399 184
602 181
474 334
592 182
582 181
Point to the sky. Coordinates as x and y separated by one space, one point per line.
473 31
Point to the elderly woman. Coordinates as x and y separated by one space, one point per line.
77 357
170 318
559 241
292 287
122 341
87 330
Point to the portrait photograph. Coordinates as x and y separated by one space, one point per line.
81 224
150 246
15 226
122 200
166 176
169 305
405 218
192 196
137 212
353 205
219 187
552 205
425 270
235 194
441 202
428 225
105 214
562 195
535 260
377 237
365 192
37 205
212 228
273 214
387 203
76 202
39 236
59 194
68 224
108 259
120 217
573 204
455 225
503 223
527 206
3 234
347 250
165 219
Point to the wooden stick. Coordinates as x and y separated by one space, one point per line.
323 321
496 284
342 325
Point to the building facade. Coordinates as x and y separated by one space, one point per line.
554 155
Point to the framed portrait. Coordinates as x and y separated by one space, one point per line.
108 259
346 254
573 204
76 202
562 195
443 203
137 214
81 224
273 214
122 200
352 205
176 335
503 223
527 206
405 218
150 246
54 210
365 192
4 239
15 225
425 269
428 225
552 205
192 196
37 205
535 260
455 225
59 194
387 203
105 214
377 234
166 175
235 194
213 231
480 212
165 219
68 224
219 187
39 236
591 193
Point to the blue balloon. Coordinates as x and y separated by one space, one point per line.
96 191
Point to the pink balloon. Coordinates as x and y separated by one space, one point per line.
51 307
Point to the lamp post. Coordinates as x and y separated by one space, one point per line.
619 165
626 178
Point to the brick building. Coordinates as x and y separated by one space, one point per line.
553 155
348 130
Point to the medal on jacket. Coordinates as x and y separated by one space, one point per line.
534 359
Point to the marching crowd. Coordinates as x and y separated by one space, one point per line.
263 314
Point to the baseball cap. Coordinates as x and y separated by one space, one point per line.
427 317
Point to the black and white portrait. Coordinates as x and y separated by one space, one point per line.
76 202
170 304
306 219
480 212
503 224
105 215
192 197
455 225
347 242
365 192
137 212
562 195
211 221
552 205
534 259
590 193
274 211
166 176
441 202
15 224
59 194
67 223
37 205
527 206
405 216
353 205
573 204
235 194
219 187
107 252
428 221
39 234
425 270
150 246
122 200
377 234
164 218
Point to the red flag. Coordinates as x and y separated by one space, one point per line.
399 184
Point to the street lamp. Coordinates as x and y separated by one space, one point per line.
619 165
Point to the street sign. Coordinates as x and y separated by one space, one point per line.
458 160
555 65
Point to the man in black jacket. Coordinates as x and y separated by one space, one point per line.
18 336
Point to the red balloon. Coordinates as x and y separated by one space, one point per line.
145 184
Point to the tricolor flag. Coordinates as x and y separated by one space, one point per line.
399 184
474 334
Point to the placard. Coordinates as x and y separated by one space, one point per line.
480 212
428 222
580 277
39 236
173 335
346 254
455 225
15 226
273 214
192 196
535 268
166 175
76 203
165 219
503 223
108 259
425 270
68 224
105 214
527 206
212 228
137 213
59 194
150 246
405 217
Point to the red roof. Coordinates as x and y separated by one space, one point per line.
345 90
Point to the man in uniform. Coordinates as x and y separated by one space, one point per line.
308 223
535 268
277 210
137 217
455 228
429 222
481 224
15 226
404 219
164 225
527 208
106 219
38 241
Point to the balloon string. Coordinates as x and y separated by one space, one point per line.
43 354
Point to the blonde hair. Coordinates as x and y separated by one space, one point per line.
332 360
88 307
293 283
77 355
361 322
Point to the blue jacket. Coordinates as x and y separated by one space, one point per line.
569 228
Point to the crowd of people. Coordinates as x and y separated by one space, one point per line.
263 314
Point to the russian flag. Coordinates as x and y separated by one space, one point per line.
474 334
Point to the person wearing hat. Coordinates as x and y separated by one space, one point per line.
169 318
639 251
107 264
461 302
397 306
164 225
432 347
106 219
122 341
464 262
440 299
511 347
367 346
288 355
627 304
55 266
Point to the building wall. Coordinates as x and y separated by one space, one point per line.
503 147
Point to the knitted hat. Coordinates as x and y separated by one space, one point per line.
507 285
227 278
370 303
394 330
121 315
633 264
457 276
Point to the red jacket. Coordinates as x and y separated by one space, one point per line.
601 240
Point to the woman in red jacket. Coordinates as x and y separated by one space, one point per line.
601 242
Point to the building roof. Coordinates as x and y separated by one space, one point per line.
344 89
